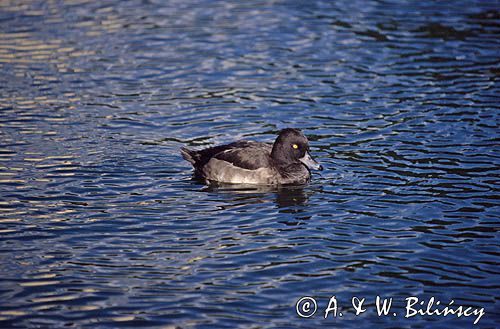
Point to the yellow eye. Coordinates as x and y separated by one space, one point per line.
295 146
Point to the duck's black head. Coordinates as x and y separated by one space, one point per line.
292 147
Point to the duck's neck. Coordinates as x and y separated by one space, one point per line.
293 173
285 167
279 162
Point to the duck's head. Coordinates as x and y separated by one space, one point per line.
291 147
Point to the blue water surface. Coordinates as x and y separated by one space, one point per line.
101 225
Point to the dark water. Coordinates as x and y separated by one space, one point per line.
102 226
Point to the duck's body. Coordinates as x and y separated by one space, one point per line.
249 162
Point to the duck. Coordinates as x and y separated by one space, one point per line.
287 161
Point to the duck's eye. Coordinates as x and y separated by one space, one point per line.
295 146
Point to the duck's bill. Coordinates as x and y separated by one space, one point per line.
310 163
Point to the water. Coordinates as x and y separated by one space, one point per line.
102 226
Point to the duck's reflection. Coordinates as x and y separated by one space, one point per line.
288 199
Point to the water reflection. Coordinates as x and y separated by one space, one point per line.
284 196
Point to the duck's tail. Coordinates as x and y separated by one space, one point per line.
189 155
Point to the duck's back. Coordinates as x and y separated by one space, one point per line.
239 162
247 155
